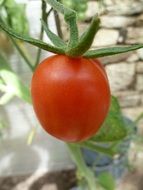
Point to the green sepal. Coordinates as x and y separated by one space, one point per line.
37 43
86 39
111 51
70 18
57 41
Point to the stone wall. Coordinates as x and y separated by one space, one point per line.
121 23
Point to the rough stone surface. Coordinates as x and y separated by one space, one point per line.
120 75
116 58
117 21
128 98
139 20
140 53
133 113
82 27
92 10
49 187
142 98
133 58
139 84
139 67
135 35
125 8
106 37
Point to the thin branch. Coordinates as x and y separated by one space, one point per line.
58 24
44 17
22 53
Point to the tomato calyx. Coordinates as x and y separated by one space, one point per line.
76 46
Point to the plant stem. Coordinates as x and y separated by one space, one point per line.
84 171
58 24
138 118
70 18
93 147
22 52
44 17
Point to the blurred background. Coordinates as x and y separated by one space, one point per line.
30 159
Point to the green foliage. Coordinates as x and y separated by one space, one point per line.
57 41
11 85
14 15
37 43
107 181
108 51
75 43
80 6
113 129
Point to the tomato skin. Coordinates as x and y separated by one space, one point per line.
71 97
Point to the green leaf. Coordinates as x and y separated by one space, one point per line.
111 51
9 3
114 128
17 18
107 181
57 41
1 2
37 43
85 40
14 86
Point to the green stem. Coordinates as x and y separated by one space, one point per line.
84 171
93 147
56 5
44 17
22 52
58 24
70 18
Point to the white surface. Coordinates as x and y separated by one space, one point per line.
45 153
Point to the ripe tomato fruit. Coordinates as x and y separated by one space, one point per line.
71 97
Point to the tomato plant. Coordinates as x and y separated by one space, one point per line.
70 90
71 97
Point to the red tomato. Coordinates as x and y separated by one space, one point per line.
71 97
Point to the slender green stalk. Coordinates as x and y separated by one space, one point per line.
22 53
35 42
41 33
56 40
58 24
93 147
83 170
57 6
70 18
44 18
